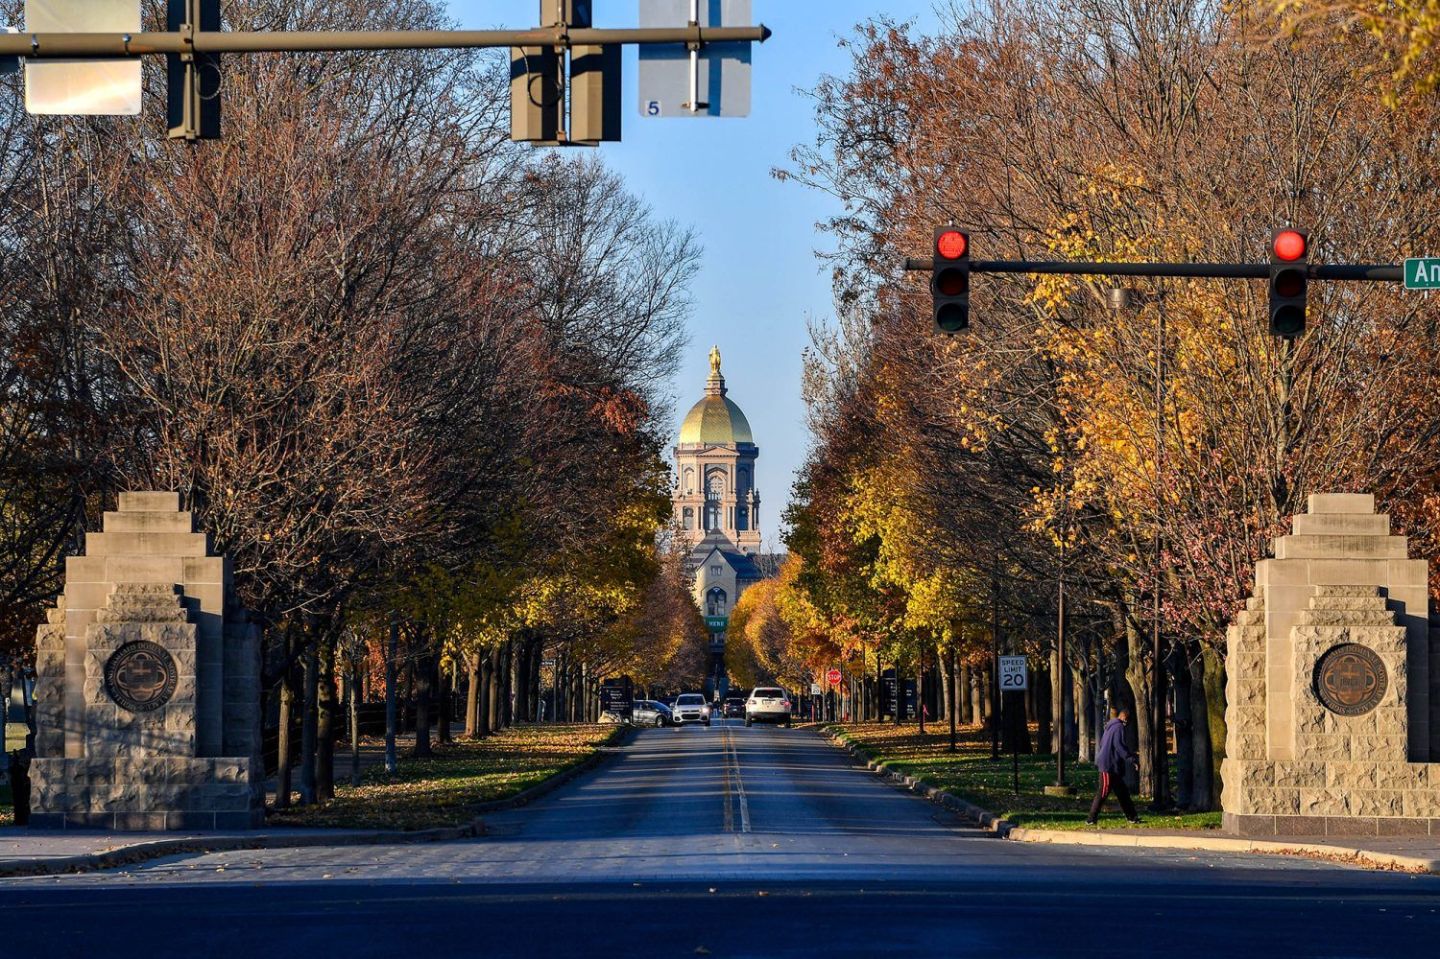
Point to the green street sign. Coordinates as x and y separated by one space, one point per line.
1422 273
716 624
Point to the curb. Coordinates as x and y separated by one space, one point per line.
159 848
1267 847
983 818
1061 837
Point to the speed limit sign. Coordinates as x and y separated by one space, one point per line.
1014 674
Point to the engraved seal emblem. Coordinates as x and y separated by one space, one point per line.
1350 679
140 676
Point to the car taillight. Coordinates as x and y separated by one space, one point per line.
786 704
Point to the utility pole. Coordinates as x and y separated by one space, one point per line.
392 765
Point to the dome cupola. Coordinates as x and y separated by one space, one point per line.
716 420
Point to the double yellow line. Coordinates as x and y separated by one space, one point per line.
734 783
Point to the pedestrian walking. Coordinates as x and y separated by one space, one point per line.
1114 758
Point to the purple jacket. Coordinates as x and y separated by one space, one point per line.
1113 756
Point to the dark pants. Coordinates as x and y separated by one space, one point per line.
1112 782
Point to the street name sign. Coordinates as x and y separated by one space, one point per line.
82 87
1014 674
1422 273
713 81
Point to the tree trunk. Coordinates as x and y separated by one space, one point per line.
1084 711
1214 684
1184 744
1058 738
472 696
507 698
492 690
445 685
309 722
284 750
1200 771
536 690
1137 679
952 695
1045 729
424 696
920 691
355 693
392 695
327 723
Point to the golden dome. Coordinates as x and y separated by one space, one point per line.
715 420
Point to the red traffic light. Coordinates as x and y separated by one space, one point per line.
951 244
1288 245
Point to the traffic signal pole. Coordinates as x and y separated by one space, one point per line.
1375 273
126 45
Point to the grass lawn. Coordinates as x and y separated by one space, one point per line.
442 791
971 774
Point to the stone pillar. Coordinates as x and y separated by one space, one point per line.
148 683
1329 686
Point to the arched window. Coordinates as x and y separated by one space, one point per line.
715 602
689 515
688 483
712 515
715 484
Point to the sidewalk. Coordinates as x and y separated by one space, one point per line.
31 852
1406 854
1401 853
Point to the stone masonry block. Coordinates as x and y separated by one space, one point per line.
1407 572
143 569
1342 503
1324 802
1422 802
1278 572
146 544
1348 547
139 501
1349 572
149 521
1341 524
204 569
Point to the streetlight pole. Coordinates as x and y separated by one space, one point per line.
1160 762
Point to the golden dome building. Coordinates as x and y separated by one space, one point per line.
717 505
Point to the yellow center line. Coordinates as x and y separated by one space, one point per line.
725 759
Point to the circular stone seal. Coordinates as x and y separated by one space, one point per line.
140 676
1350 679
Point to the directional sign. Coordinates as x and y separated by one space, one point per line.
715 82
1422 273
82 87
716 624
834 677
1014 674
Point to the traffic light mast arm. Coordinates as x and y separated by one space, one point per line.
46 45
1378 273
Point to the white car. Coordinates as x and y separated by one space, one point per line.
691 708
767 704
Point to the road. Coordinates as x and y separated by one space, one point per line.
725 841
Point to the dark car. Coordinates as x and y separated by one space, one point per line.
735 707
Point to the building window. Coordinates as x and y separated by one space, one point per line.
689 515
712 515
688 484
715 602
714 570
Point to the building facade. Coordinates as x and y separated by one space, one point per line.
718 509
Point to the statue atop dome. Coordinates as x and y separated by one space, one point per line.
715 360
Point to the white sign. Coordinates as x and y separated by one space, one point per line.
713 83
82 87
814 689
1014 674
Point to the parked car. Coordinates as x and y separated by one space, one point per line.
735 707
648 712
691 708
767 704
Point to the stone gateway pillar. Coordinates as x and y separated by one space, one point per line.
1332 690
147 694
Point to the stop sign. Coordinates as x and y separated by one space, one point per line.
834 677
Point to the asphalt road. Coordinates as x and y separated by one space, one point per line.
729 842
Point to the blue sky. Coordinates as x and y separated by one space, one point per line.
760 278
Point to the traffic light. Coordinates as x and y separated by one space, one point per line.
950 280
193 79
1288 280
539 85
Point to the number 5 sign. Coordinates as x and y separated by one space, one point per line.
1014 674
